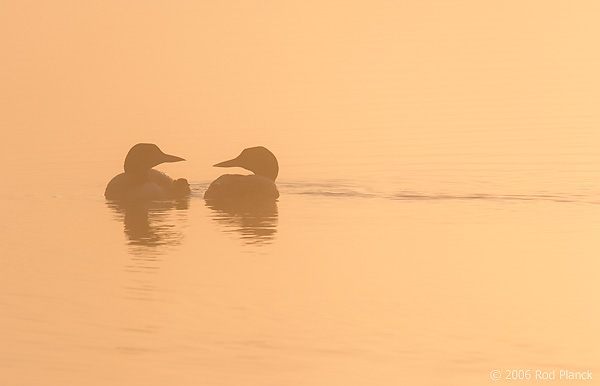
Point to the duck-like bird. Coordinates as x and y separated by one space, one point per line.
140 181
259 186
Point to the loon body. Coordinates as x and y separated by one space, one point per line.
259 186
140 181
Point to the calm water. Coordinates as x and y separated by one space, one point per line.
439 209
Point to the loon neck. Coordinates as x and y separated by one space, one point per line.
271 175
139 176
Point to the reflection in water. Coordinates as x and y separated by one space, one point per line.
255 222
148 224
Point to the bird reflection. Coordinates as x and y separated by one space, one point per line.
149 224
254 222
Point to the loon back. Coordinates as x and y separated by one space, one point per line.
236 187
157 186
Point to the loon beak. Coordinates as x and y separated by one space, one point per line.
171 158
228 164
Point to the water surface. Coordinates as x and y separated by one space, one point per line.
439 209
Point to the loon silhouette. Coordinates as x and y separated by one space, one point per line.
259 186
140 181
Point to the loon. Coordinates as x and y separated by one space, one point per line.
140 181
259 186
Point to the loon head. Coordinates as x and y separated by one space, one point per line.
257 159
144 156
